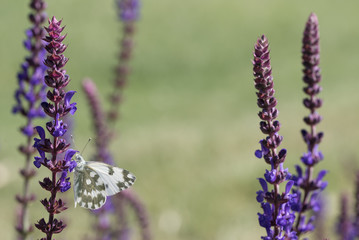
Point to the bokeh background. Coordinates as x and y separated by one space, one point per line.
189 122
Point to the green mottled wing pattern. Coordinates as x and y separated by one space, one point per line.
89 189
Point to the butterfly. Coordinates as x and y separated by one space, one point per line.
94 181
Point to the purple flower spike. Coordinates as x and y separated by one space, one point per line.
57 107
277 217
128 13
305 182
344 226
103 121
28 96
98 117
347 223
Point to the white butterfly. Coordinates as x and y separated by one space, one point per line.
94 181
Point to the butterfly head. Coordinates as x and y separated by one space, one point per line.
79 160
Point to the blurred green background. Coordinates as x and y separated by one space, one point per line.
189 123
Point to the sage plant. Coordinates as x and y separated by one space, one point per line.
277 219
347 227
103 226
309 187
55 153
116 206
30 92
128 11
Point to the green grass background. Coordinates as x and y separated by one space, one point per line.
189 125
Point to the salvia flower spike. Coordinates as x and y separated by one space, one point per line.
347 227
103 226
128 14
54 152
277 219
99 122
344 225
307 185
30 93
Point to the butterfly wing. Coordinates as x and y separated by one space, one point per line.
89 188
115 179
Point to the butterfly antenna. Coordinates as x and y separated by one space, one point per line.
73 140
86 145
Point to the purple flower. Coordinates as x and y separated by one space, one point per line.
64 182
307 187
277 217
70 107
40 160
263 151
261 194
270 176
318 181
102 121
69 163
42 139
59 128
57 107
286 219
307 158
128 10
28 96
306 226
265 218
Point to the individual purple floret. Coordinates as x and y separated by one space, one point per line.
30 92
277 218
50 150
309 187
